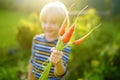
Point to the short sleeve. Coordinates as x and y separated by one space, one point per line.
32 50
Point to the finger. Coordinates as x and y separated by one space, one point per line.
53 48
57 52
54 56
53 60
57 55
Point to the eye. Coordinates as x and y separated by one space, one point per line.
44 21
54 22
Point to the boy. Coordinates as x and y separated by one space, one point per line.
51 17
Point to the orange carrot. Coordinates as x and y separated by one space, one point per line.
67 35
76 42
62 29
79 41
64 24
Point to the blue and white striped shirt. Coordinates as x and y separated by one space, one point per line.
41 50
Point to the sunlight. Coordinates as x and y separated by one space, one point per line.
36 5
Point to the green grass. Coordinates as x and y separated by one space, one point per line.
8 24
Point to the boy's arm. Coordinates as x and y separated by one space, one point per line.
56 59
59 68
29 71
30 68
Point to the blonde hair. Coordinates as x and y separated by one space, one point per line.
57 9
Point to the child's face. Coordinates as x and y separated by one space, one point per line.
50 26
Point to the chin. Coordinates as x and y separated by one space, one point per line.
48 34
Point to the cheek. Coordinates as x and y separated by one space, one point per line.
43 26
56 27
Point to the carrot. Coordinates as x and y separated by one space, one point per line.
62 29
67 35
65 23
79 41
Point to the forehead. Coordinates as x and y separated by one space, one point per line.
51 16
53 13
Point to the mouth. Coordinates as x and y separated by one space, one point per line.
49 31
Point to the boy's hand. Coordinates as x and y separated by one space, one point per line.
55 56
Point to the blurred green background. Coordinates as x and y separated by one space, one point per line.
98 58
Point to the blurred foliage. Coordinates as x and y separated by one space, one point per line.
8 22
5 4
27 29
13 66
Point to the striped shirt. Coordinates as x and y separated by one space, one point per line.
41 52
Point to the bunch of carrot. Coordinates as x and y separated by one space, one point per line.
64 38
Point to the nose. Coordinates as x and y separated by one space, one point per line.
47 25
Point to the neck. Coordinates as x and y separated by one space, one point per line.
49 38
